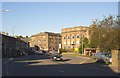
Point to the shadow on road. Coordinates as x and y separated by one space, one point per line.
33 57
36 68
88 69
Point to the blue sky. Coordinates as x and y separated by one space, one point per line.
34 17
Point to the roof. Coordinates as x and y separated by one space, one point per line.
44 33
76 27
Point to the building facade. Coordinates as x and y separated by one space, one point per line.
12 47
72 37
46 41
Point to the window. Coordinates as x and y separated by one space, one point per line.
72 42
78 36
68 42
73 37
64 37
64 42
43 36
77 42
68 37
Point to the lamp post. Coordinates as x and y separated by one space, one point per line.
7 10
82 37
82 43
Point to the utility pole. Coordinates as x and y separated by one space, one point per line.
82 37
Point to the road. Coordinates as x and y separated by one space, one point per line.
42 65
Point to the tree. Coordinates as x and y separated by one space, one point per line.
86 42
85 45
26 36
94 36
105 34
19 37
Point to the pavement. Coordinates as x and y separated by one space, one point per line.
114 68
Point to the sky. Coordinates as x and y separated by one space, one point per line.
29 18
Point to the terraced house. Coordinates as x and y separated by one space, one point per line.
46 40
72 37
12 47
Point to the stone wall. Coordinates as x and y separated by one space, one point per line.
116 58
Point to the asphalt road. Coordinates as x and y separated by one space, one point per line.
42 65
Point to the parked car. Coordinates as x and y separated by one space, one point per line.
103 56
57 57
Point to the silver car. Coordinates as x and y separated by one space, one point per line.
103 56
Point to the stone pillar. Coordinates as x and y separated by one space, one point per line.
116 58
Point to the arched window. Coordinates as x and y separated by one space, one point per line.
68 37
73 36
77 36
64 37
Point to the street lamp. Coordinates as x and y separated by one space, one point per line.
82 36
7 10
82 43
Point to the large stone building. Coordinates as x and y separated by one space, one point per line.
72 37
46 41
